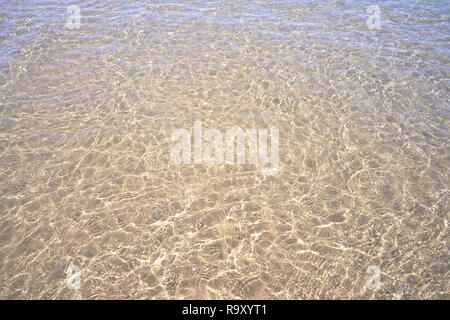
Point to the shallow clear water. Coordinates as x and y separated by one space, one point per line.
86 117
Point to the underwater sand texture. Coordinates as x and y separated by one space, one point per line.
86 117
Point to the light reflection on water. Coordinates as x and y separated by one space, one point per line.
86 117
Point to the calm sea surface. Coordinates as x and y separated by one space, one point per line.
86 117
